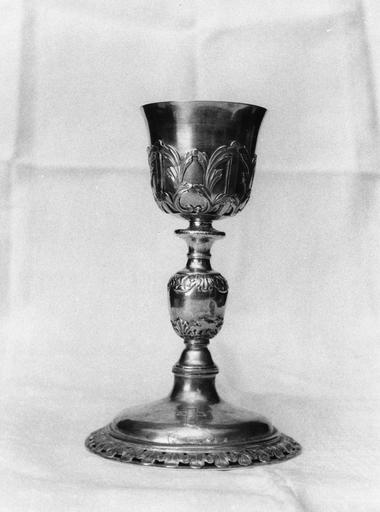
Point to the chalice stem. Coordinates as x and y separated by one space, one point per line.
197 296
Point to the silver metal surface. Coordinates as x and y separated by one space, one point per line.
202 167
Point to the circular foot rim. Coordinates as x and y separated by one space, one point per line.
278 449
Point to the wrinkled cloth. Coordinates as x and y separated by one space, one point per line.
86 254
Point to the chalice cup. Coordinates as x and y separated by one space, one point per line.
202 163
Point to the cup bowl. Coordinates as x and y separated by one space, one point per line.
202 156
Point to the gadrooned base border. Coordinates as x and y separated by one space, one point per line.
281 448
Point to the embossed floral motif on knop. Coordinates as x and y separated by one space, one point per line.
193 184
202 327
203 282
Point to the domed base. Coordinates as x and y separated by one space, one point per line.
172 434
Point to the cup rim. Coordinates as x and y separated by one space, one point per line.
201 102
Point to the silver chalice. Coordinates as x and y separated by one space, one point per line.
202 163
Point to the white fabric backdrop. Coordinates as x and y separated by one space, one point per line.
86 255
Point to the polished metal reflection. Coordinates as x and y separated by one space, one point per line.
202 161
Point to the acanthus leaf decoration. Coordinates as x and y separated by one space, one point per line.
189 184
213 173
173 159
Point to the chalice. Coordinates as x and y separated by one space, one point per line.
202 164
